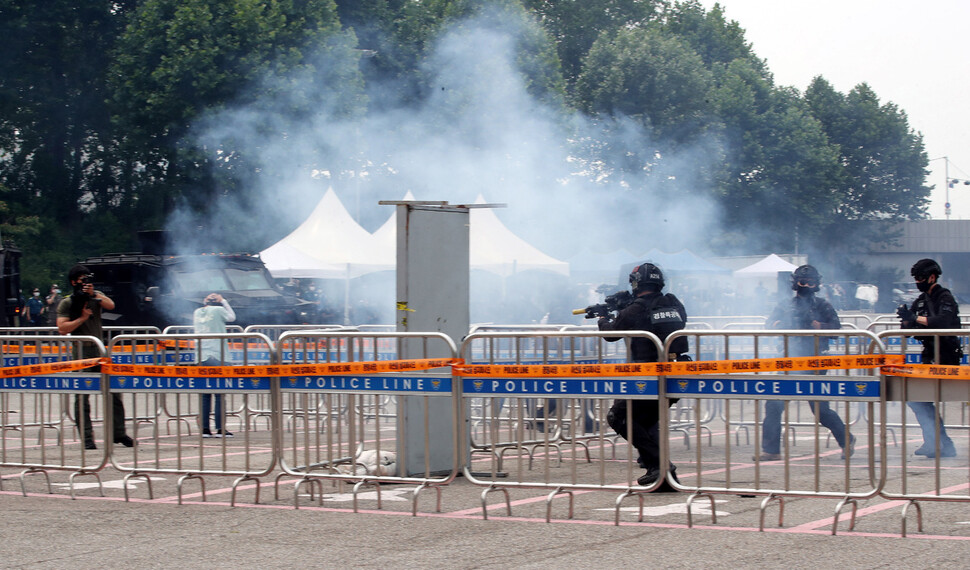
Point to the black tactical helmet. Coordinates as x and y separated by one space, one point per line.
806 274
644 274
924 268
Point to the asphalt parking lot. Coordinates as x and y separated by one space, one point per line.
52 530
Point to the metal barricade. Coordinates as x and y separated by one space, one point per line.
364 412
109 331
257 406
583 453
544 419
931 472
761 375
857 320
911 349
273 332
165 375
36 408
190 329
28 331
718 322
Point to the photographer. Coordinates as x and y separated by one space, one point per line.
80 315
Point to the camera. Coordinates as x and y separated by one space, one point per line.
212 302
89 278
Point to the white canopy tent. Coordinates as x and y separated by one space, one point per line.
770 266
331 245
328 245
493 247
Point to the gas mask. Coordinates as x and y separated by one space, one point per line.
804 291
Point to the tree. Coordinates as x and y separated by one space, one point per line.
777 160
716 40
649 76
181 59
534 51
576 24
393 35
54 125
883 159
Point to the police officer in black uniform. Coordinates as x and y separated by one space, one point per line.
935 308
660 314
805 310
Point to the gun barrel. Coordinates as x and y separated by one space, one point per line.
579 311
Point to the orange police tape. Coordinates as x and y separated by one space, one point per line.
50 367
342 368
9 349
31 349
891 364
681 368
929 371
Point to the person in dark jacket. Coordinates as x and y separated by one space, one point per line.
935 308
805 310
660 314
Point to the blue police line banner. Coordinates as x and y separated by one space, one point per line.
822 388
61 383
426 384
633 387
198 384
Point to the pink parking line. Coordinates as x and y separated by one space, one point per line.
462 515
808 528
877 509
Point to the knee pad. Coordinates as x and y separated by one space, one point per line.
617 420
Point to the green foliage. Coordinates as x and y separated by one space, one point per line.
884 161
535 53
777 160
102 106
577 24
649 76
178 58
716 40
181 61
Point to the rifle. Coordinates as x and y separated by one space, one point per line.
615 302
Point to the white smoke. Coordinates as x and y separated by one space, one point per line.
478 131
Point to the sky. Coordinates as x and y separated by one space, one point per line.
912 54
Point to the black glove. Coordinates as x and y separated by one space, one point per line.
604 322
905 314
684 357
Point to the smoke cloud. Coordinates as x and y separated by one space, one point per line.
566 178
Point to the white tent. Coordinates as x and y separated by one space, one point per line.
385 237
770 266
494 248
331 245
328 245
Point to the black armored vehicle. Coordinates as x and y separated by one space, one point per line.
153 288
10 284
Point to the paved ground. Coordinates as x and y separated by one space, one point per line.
53 531
151 530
